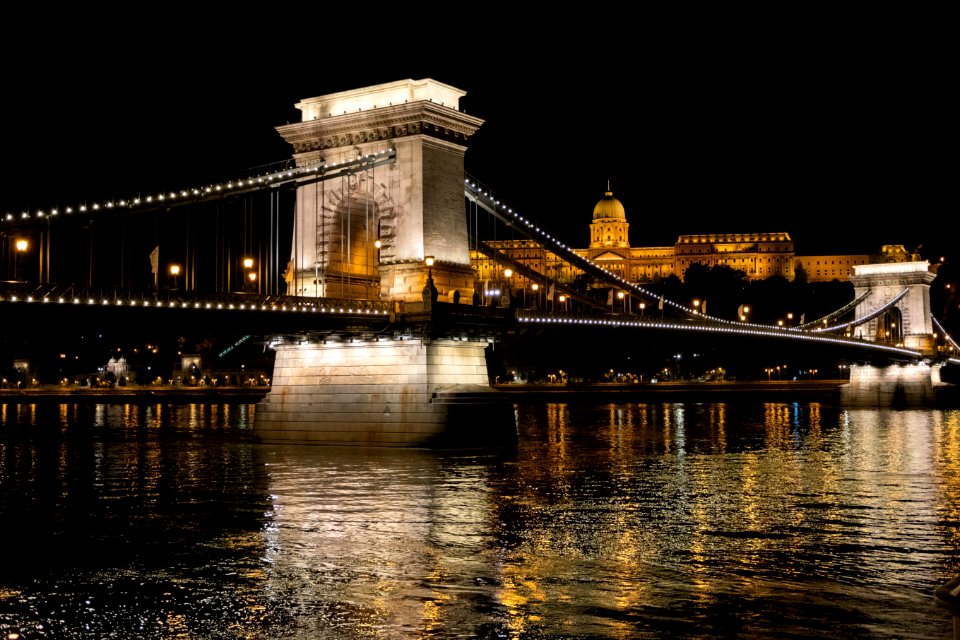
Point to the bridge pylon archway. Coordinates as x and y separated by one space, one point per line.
908 322
413 206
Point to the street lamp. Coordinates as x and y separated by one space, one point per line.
175 272
429 291
620 296
696 305
22 246
642 305
250 276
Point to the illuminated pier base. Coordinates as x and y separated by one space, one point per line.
397 393
909 385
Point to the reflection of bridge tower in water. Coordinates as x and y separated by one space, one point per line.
414 206
897 312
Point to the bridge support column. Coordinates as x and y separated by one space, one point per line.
397 393
907 385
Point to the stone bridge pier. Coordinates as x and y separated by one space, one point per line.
907 323
368 235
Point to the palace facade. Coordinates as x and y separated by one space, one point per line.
758 255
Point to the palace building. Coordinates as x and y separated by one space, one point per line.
758 255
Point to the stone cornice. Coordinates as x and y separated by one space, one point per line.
384 123
893 280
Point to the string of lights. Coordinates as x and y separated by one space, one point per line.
319 169
755 330
836 313
866 318
944 331
482 195
381 309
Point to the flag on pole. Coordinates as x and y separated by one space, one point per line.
155 260
703 307
660 305
550 293
610 297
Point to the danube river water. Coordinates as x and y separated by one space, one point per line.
626 520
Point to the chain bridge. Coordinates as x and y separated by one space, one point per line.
357 261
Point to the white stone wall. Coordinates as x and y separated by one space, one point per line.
377 393
885 386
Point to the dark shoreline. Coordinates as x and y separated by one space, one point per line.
827 391
135 394
787 390
824 390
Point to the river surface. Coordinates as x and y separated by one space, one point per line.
627 520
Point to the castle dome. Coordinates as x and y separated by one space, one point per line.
609 207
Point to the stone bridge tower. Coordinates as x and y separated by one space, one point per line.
366 235
382 390
907 322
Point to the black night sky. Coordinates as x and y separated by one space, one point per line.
831 127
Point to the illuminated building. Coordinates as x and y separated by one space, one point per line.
758 255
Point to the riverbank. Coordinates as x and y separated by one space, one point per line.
827 391
682 391
134 394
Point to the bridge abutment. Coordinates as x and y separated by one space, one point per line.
397 393
905 385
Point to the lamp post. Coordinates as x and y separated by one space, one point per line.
249 276
643 306
536 295
429 290
696 305
563 302
623 304
175 273
22 246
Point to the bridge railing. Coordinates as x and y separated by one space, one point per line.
31 292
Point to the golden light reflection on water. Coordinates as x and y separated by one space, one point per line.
604 517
